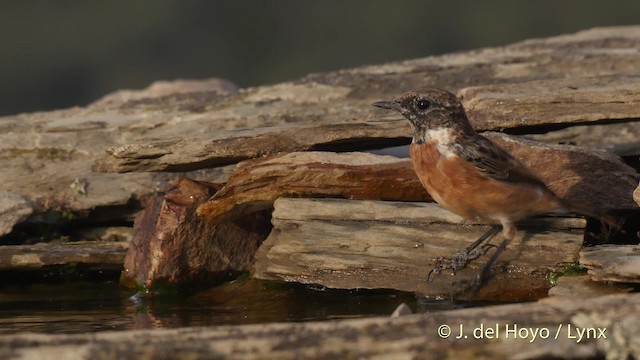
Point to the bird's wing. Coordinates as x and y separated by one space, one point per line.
492 160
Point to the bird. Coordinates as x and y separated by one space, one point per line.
467 173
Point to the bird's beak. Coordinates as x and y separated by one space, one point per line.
391 105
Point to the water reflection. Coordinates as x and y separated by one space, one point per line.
63 308
78 307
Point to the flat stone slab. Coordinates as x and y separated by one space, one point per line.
617 263
31 257
349 244
574 99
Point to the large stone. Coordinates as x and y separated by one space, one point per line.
172 246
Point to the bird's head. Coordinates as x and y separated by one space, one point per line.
429 109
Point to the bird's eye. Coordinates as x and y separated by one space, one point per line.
423 104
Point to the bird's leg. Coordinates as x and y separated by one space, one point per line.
476 282
508 232
461 260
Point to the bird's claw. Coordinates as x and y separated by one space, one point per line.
460 261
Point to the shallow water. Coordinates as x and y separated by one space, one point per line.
84 306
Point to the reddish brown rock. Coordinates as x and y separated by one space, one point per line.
256 184
173 246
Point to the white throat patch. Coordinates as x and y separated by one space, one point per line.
443 137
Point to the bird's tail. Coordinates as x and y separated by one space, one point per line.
609 221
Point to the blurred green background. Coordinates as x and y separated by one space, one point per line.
57 54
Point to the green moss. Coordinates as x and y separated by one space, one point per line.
574 269
68 215
552 277
570 269
158 289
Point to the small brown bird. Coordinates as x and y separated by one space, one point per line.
466 172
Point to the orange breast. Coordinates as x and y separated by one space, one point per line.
458 186
427 162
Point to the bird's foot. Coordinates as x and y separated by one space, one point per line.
460 261
472 286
